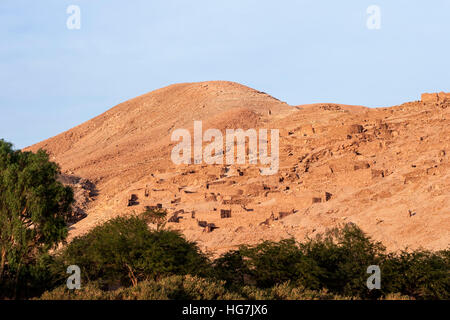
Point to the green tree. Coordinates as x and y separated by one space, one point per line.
267 264
420 274
343 254
232 268
274 263
155 216
336 261
124 251
33 207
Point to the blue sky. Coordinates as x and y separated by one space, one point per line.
53 78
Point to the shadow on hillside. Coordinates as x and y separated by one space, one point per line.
84 191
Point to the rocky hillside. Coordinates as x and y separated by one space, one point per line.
385 169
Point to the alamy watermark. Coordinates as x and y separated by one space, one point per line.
374 19
73 22
213 153
374 281
74 280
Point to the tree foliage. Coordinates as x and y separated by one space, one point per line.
33 207
420 274
124 251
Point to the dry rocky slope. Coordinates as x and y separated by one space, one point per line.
385 169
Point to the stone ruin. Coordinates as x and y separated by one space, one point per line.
157 207
225 213
326 197
132 200
210 227
202 224
175 218
435 97
207 227
284 214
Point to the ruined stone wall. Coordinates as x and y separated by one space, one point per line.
435 97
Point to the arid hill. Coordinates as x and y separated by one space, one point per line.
385 169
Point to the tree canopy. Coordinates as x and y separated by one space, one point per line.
33 208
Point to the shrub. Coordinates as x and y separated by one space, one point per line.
419 274
231 268
167 288
124 259
267 264
343 255
333 265
288 291
336 261
90 291
124 251
179 288
156 217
